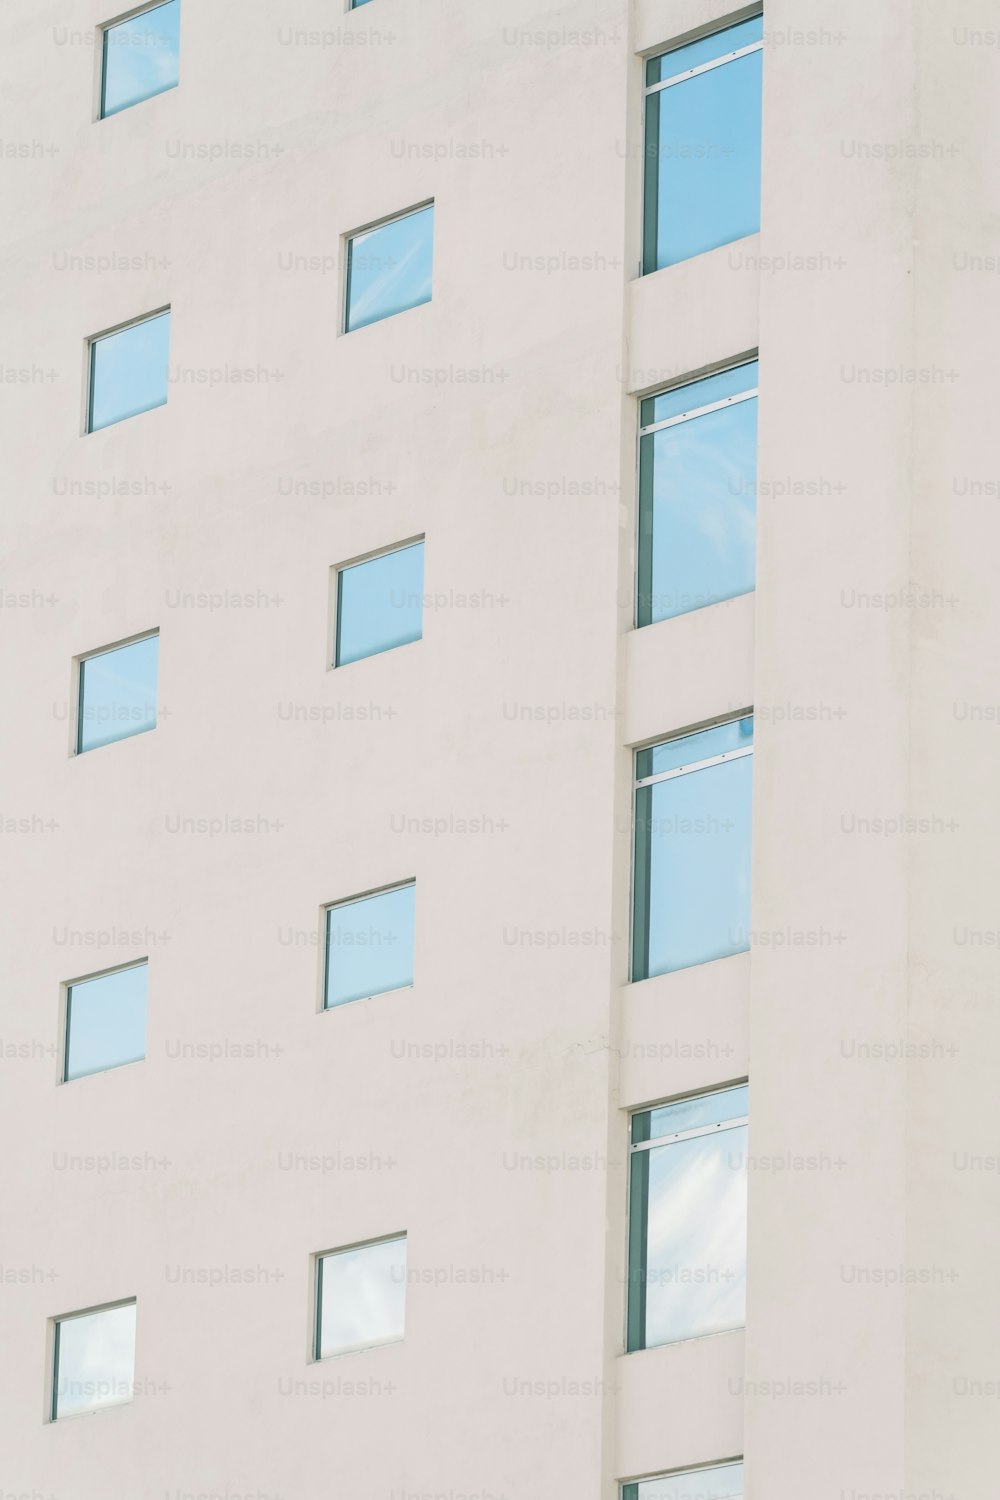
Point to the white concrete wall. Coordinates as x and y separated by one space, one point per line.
500 421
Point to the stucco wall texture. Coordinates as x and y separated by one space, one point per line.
485 1110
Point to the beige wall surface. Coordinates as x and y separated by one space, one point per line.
485 1110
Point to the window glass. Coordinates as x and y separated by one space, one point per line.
118 693
721 1482
361 1297
129 371
687 1231
702 182
696 1113
105 1021
141 57
94 1360
691 888
369 945
697 497
389 268
380 604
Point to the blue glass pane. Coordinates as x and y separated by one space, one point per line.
118 693
670 64
128 371
380 604
703 149
141 57
106 1021
95 1360
695 1270
389 268
697 393
355 4
723 1482
362 1297
369 946
698 841
697 541
689 749
691 1114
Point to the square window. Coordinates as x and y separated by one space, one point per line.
129 371
691 883
117 695
703 111
720 1482
379 604
389 268
360 1296
369 945
94 1360
687 1219
697 494
105 1021
141 57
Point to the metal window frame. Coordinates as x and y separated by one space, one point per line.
653 427
629 1488
66 1017
637 786
317 1330
56 1323
705 67
105 29
635 1147
348 240
337 570
324 964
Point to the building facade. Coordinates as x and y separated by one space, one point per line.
463 462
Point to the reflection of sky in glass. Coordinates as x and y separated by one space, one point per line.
141 57
699 866
696 1241
697 393
362 1297
380 604
703 504
118 693
106 1021
703 143
389 268
723 1482
356 4
128 371
95 1360
369 945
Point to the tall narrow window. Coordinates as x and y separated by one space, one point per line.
117 693
141 57
94 1360
702 180
697 494
389 268
369 945
105 1021
719 1482
129 371
691 884
360 1296
380 603
687 1219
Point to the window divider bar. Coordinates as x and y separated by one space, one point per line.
698 765
690 1135
699 411
705 67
